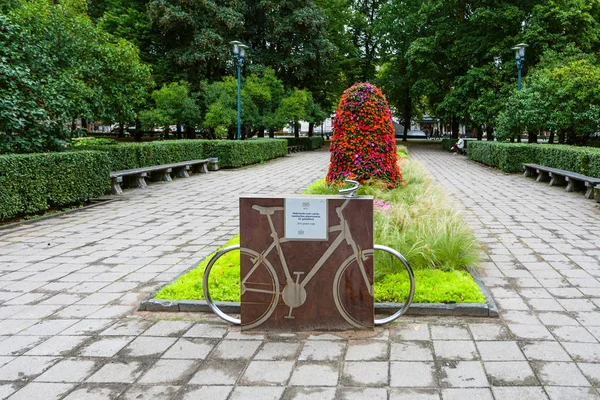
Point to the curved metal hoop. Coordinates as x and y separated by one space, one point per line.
209 300
411 276
350 192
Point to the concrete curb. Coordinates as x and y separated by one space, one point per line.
487 309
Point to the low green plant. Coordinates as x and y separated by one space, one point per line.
310 143
31 183
92 141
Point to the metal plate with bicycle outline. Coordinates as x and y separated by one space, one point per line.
322 282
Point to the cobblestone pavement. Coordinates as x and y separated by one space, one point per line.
69 287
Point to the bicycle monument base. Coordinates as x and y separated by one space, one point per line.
306 263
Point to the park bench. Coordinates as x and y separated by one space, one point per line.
295 149
157 172
560 177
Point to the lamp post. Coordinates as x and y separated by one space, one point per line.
520 58
239 51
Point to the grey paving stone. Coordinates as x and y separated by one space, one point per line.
128 327
533 332
414 394
15 345
49 327
278 351
168 328
310 374
7 389
410 332
68 370
519 392
544 351
151 393
412 374
365 373
169 372
362 394
322 351
411 351
455 350
256 392
57 345
118 372
96 393
591 371
192 348
360 351
42 391
586 352
459 394
510 373
13 326
489 332
462 374
87 327
265 373
5 360
105 346
573 334
310 393
559 374
554 318
236 349
25 367
207 392
144 346
77 311
449 332
206 331
499 351
237 335
218 373
571 393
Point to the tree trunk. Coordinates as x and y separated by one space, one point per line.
455 127
84 126
121 129
551 138
296 129
138 131
479 132
271 133
407 115
311 128
532 137
178 131
512 139
561 136
261 132
73 125
190 132
490 132
231 133
571 136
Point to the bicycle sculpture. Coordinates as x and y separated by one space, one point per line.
288 285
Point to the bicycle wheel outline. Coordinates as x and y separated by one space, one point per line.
337 280
274 299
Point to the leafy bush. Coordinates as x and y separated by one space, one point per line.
92 141
231 153
310 143
510 157
363 146
448 143
36 182
237 153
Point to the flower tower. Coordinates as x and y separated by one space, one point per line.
363 146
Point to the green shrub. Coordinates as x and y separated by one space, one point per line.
92 141
309 142
510 157
231 153
236 153
36 182
448 143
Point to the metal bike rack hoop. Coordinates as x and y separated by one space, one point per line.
209 300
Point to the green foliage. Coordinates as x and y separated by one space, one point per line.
237 153
448 143
173 106
433 286
36 182
510 157
309 143
92 141
421 223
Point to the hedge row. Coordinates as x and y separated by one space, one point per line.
510 157
31 183
309 142
448 143
231 153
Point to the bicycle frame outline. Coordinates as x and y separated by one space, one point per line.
297 286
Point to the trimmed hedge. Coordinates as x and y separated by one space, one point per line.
448 143
236 153
30 183
309 142
231 153
510 157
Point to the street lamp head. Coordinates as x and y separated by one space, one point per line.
242 48
498 62
520 50
236 47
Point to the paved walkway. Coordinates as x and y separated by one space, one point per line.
69 287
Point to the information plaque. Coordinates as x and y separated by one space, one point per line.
305 219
